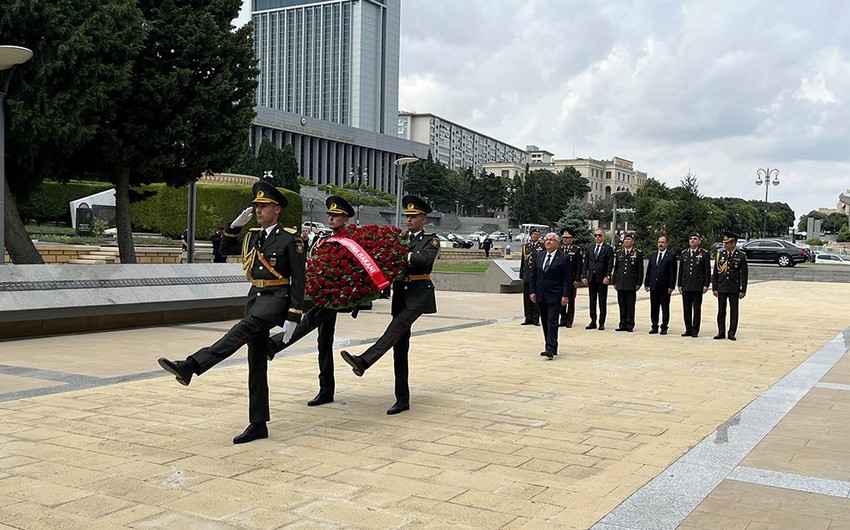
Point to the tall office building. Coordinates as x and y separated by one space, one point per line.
328 85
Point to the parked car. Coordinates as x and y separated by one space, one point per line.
777 251
316 227
499 236
445 243
459 240
831 259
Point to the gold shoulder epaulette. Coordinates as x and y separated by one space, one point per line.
290 230
255 229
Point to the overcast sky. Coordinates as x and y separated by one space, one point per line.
719 88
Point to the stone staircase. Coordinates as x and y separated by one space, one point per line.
98 256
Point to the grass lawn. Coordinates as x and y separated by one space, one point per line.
461 266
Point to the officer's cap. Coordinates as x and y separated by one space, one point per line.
533 230
566 233
628 235
695 234
729 236
339 206
413 205
264 192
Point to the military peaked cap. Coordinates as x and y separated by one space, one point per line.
264 192
339 206
413 205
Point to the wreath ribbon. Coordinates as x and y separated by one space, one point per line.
364 258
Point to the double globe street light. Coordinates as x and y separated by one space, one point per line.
764 176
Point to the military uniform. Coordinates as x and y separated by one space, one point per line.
627 279
323 318
694 279
576 258
530 309
413 295
730 284
273 260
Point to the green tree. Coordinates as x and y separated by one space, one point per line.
574 217
490 191
427 178
281 163
65 97
572 184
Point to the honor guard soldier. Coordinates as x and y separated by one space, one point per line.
694 279
529 249
627 279
576 258
273 259
323 318
413 296
730 284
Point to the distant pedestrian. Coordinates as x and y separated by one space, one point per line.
487 245
218 257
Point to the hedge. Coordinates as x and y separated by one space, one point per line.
162 210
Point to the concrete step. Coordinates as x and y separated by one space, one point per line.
82 260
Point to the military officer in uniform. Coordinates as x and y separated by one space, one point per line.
323 318
730 284
693 281
529 249
627 279
413 296
574 254
273 259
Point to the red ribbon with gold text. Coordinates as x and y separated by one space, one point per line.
364 258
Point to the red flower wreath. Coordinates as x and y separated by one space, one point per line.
336 279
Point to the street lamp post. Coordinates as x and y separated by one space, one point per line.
402 162
360 177
10 57
764 176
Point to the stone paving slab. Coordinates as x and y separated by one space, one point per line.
497 437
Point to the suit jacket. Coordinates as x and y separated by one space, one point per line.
628 270
730 272
596 268
417 294
555 282
661 276
694 272
283 251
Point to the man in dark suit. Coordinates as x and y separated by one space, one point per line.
413 296
659 282
627 277
551 285
529 249
730 284
323 318
573 253
694 278
273 258
596 275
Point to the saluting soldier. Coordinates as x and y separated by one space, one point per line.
694 279
413 296
574 253
323 318
273 259
529 249
730 283
627 279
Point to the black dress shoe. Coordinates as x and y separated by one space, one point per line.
543 354
695 334
719 336
536 322
320 399
592 325
182 370
686 334
398 407
254 431
653 331
630 330
568 325
663 332
550 355
621 329
601 327
526 323
354 362
731 337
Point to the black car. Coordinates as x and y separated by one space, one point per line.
777 251
458 241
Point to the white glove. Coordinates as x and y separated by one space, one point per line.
288 330
243 217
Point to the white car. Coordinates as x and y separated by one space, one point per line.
499 236
831 259
316 227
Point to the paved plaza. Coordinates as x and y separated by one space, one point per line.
619 431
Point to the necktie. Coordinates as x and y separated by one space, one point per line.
658 261
262 239
546 263
597 250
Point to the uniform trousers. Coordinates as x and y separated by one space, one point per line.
598 294
324 319
397 337
530 309
692 309
626 299
733 313
659 302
